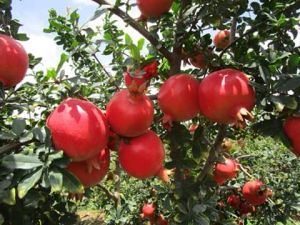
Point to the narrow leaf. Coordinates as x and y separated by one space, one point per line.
20 161
28 182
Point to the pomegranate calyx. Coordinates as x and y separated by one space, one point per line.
75 196
164 174
92 164
242 116
167 122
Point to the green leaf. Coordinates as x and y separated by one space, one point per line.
202 220
18 126
63 58
26 137
56 180
128 40
141 43
71 183
290 84
1 219
7 136
28 182
20 161
8 196
99 12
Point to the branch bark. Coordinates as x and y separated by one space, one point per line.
12 146
134 24
108 193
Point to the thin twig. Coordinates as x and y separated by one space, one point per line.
108 193
12 146
233 29
134 24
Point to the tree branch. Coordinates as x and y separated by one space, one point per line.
12 146
134 24
213 153
108 193
233 29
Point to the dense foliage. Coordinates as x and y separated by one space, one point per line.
34 184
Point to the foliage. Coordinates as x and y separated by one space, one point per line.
33 182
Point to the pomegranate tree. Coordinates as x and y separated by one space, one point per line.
14 61
154 8
225 171
93 170
255 192
178 98
79 128
292 130
226 97
222 39
129 115
143 156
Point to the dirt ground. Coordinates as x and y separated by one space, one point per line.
90 218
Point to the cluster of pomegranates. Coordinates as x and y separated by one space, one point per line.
149 211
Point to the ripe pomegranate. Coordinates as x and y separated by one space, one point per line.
226 170
292 129
198 61
219 180
226 97
234 201
178 98
91 171
79 128
222 39
161 220
246 208
148 210
129 115
255 192
142 156
154 8
14 61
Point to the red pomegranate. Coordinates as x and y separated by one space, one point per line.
234 201
161 220
246 208
226 97
142 156
148 210
255 192
178 98
91 171
138 81
292 129
226 170
129 115
219 180
154 8
198 61
222 39
14 61
79 128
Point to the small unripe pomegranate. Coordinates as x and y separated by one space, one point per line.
255 192
178 98
226 97
13 61
222 39
198 60
142 157
91 171
79 128
292 129
234 201
154 8
148 210
129 115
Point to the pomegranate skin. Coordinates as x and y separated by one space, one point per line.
226 97
234 201
178 97
95 175
198 61
79 128
148 210
226 170
142 157
14 61
222 39
253 194
291 128
154 8
129 115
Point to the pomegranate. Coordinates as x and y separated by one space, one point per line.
148 210
234 201
129 115
178 98
79 128
198 61
226 170
142 156
218 179
154 8
226 97
222 39
91 171
138 80
246 208
14 61
292 129
161 220
255 192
